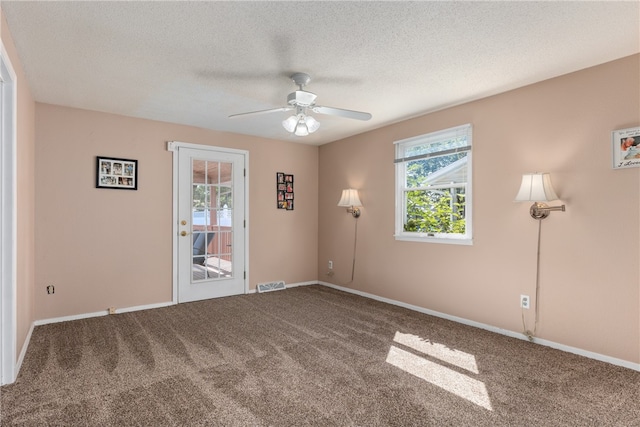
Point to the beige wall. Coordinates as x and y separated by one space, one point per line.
25 196
112 248
590 254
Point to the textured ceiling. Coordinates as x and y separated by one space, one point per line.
196 63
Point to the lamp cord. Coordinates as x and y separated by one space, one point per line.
527 332
353 264
355 243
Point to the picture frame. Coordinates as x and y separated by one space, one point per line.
116 173
284 191
626 148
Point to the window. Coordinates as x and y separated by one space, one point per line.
433 187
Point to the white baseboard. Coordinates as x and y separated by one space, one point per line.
23 351
506 332
290 285
138 308
295 285
101 313
512 334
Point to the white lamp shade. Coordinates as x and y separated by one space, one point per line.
536 187
349 198
301 129
312 124
290 123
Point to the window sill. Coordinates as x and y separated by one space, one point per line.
423 238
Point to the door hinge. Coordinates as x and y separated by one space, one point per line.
245 275
244 172
244 223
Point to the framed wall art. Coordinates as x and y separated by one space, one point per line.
626 148
116 173
284 191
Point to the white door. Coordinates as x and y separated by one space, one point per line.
211 223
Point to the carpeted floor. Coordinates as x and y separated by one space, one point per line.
307 356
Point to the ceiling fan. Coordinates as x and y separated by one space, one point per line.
302 101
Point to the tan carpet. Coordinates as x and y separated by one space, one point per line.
301 357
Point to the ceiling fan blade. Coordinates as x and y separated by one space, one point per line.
272 110
358 115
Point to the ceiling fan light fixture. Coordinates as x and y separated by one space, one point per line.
301 124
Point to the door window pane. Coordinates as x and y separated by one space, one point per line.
212 226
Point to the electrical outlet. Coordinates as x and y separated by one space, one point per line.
330 265
112 310
525 302
51 289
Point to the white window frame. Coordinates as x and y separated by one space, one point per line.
400 209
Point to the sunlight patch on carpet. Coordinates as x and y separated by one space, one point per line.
439 351
455 382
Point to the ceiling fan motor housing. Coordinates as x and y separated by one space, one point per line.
301 98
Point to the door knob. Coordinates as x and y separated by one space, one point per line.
184 233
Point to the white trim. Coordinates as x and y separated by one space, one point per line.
8 218
102 313
174 146
174 228
438 135
128 310
246 218
291 285
506 332
295 285
25 345
424 237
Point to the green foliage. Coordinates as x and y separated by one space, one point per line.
199 196
417 171
211 196
433 212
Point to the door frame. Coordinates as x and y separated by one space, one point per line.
8 221
174 146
